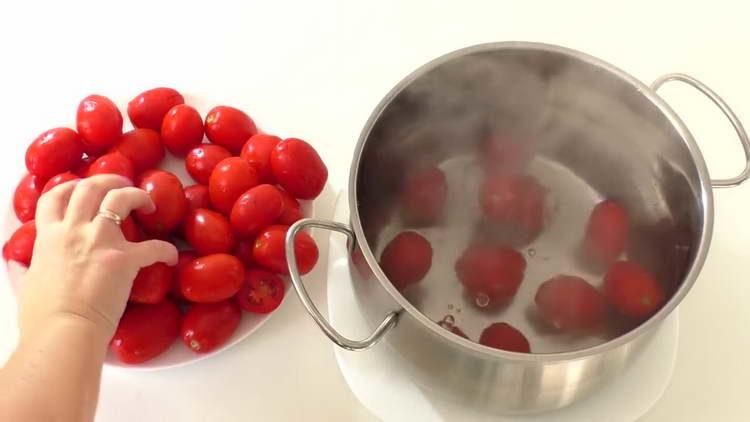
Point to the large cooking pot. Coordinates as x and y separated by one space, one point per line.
598 133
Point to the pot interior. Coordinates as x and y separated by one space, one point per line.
582 130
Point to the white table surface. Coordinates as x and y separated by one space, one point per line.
315 70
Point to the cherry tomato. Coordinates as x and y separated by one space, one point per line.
231 178
261 293
197 197
490 274
131 231
202 160
112 163
297 167
423 196
292 209
257 150
212 278
142 147
606 232
99 123
20 246
147 110
406 259
183 260
83 168
166 191
503 336
209 325
146 331
26 196
570 303
506 154
151 284
54 151
244 251
256 209
632 290
269 250
59 180
182 129
208 232
229 127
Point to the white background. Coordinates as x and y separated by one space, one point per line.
315 70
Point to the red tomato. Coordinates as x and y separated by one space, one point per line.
423 196
142 147
112 163
146 331
606 232
406 259
208 232
184 259
292 209
507 155
229 127
59 180
99 123
20 246
256 209
459 332
570 303
182 129
244 251
269 250
505 337
83 168
151 284
490 274
166 191
297 167
202 160
261 293
231 178
209 325
212 278
257 151
131 231
26 196
515 203
147 110
197 197
631 290
54 151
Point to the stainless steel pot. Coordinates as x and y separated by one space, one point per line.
600 133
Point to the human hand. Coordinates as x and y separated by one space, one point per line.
82 265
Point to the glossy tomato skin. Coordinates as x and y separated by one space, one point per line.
269 250
569 303
59 180
20 246
182 129
257 151
142 147
423 196
504 336
632 290
151 284
229 127
515 204
83 168
166 191
292 209
208 232
146 331
26 195
256 209
406 259
184 258
207 326
212 278
297 167
607 232
490 273
147 110
54 151
197 197
230 178
202 160
131 231
261 293
99 123
112 163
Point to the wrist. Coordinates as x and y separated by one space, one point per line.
69 324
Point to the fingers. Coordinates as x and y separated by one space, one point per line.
52 205
124 200
152 251
88 195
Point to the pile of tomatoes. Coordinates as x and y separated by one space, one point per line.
230 226
491 269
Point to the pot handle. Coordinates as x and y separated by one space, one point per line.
389 321
708 92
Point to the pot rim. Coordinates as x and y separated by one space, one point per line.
706 196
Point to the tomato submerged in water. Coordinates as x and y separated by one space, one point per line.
607 232
515 204
632 290
570 303
490 274
406 259
504 336
423 196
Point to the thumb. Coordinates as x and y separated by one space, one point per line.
152 251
